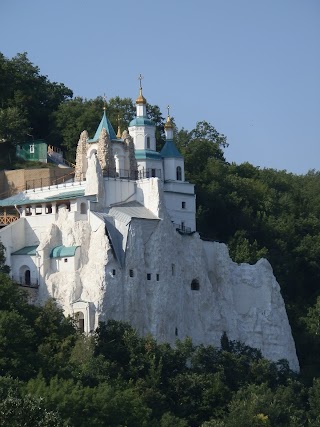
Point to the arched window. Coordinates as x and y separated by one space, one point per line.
83 208
179 173
148 141
27 278
195 286
80 321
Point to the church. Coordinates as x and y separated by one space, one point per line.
119 242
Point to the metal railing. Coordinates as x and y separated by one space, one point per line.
149 173
182 229
32 184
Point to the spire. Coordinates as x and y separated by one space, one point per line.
168 127
119 129
141 99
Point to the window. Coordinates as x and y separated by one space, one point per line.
80 321
113 272
173 269
195 286
176 332
182 226
83 208
65 260
31 148
27 278
131 273
148 141
179 173
158 277
153 173
149 276
183 205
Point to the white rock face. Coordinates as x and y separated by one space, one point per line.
242 300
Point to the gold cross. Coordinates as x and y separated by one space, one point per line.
140 78
168 108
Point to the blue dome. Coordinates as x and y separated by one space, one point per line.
141 121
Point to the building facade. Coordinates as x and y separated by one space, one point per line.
120 242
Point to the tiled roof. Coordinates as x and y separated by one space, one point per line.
27 250
63 251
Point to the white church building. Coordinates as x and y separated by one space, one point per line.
119 241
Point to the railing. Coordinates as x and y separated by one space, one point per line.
6 219
49 181
121 173
149 173
182 229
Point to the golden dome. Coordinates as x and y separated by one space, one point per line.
168 124
141 99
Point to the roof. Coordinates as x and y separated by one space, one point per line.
115 237
104 123
147 154
170 150
27 250
141 121
63 251
24 199
126 211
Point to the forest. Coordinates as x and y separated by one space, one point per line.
51 375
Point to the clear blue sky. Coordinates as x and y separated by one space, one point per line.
249 67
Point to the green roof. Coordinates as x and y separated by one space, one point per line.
63 251
104 123
27 250
169 149
147 154
17 201
141 121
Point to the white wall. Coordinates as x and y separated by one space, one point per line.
118 190
13 237
17 261
178 214
139 135
170 168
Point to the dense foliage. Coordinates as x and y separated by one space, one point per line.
50 375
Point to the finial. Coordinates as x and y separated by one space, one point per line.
119 129
168 124
140 78
105 102
141 99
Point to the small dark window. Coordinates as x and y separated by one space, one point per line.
83 208
27 278
131 273
183 205
182 226
153 173
148 141
195 286
179 173
176 332
113 272
148 276
158 277
173 269
66 260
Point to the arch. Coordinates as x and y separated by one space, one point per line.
91 151
25 275
27 278
79 316
195 285
83 208
179 173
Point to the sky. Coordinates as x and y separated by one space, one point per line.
251 68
